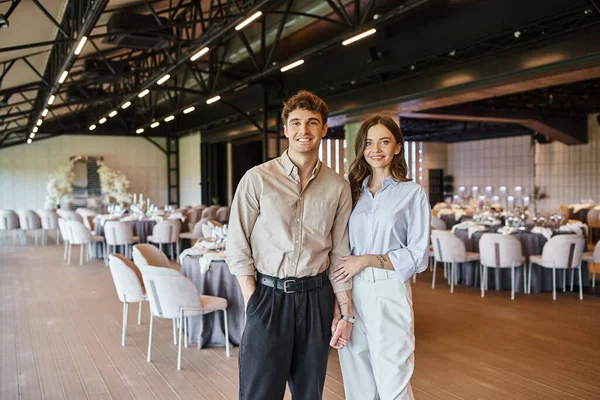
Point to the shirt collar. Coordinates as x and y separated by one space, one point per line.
386 182
291 169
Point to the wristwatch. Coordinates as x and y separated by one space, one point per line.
349 319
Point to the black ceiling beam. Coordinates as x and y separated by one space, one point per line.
51 18
11 9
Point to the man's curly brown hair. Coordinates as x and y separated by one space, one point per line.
305 100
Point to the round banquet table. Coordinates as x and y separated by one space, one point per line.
450 220
499 278
142 228
209 330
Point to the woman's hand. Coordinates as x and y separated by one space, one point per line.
350 266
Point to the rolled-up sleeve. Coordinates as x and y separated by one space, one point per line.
339 237
244 212
413 258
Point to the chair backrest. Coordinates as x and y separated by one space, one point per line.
438 223
69 215
593 218
502 251
197 231
169 291
147 254
209 213
64 230
9 220
85 212
192 215
208 227
88 221
28 219
447 247
223 214
564 251
118 233
78 233
166 231
126 277
49 219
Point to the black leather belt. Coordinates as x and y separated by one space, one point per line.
293 285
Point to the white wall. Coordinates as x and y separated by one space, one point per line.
24 169
189 170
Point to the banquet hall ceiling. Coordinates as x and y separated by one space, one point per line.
452 70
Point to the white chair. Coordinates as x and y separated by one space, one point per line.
450 250
501 251
49 219
80 235
192 215
593 222
166 232
223 214
592 258
146 254
9 222
85 212
29 221
69 215
118 233
196 232
560 252
173 296
209 213
438 223
64 233
130 287
208 227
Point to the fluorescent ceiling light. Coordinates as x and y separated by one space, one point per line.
80 45
189 110
63 76
102 120
248 20
155 124
39 122
51 99
112 113
28 141
143 93
199 54
170 118
292 65
124 106
213 99
45 112
35 129
359 36
163 79
92 127
141 130
32 135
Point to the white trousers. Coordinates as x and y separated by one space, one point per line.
378 361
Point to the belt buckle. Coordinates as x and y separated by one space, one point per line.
285 286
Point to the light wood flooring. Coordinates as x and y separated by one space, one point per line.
60 328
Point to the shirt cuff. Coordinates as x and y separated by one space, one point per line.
243 271
340 286
404 264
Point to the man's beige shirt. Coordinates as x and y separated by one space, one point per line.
281 231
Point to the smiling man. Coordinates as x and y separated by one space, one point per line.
288 225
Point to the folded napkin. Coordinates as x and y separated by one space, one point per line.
464 225
205 261
507 230
577 228
477 228
545 232
207 229
195 250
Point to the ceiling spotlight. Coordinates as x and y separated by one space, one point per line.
28 141
517 34
412 67
102 120
39 122
358 37
143 93
154 124
189 110
170 118
199 54
163 79
45 112
112 113
452 53
588 11
292 65
32 135
376 17
35 129
80 45
92 127
63 76
124 106
141 130
248 20
213 99
51 99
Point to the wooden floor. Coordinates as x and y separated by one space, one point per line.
60 329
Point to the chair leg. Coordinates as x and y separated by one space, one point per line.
593 274
125 315
553 283
57 237
174 331
525 278
150 338
186 332
572 276
180 340
452 277
69 253
140 313
564 280
433 279
81 254
65 252
226 334
580 283
512 283
483 272
529 280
